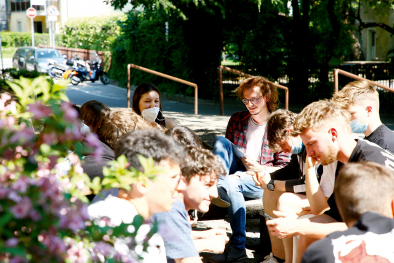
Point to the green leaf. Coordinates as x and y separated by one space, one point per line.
45 149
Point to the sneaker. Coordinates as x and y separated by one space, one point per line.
231 254
269 259
222 200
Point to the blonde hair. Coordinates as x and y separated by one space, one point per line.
320 114
278 127
357 93
268 90
118 123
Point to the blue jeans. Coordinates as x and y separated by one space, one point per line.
237 186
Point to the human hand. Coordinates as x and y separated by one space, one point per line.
284 226
215 244
193 221
310 162
305 211
252 165
261 178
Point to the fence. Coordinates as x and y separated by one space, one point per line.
379 72
84 54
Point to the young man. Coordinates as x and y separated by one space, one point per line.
325 131
286 186
120 205
365 198
200 174
362 101
247 131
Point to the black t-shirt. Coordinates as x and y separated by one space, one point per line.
94 169
371 239
382 136
364 151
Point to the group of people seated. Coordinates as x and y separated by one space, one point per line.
320 182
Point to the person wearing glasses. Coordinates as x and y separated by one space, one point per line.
200 175
245 148
119 205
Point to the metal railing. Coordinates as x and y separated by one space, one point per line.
350 75
240 73
129 66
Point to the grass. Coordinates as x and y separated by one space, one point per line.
8 52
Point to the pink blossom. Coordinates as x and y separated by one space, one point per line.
22 184
26 134
9 154
49 138
35 215
21 209
11 107
12 242
39 110
52 161
77 253
70 113
53 243
4 192
17 259
103 248
14 197
93 141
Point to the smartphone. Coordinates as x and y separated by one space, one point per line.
267 216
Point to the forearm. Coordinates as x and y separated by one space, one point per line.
197 234
317 200
188 260
318 230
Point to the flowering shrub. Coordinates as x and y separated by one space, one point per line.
43 212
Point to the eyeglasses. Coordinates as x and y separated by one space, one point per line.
251 100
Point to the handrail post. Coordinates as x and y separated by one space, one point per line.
221 91
163 76
335 80
128 86
287 99
350 75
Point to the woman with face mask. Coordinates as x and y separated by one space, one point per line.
146 102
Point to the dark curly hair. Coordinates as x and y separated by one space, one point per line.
149 143
201 162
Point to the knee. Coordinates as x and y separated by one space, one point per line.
284 201
270 200
221 142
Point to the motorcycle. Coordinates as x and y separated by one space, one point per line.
84 72
57 70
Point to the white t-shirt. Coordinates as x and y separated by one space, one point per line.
327 179
254 139
118 211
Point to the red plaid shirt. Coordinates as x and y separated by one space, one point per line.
236 132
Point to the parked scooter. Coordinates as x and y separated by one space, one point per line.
86 73
57 70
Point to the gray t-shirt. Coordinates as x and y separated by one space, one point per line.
180 244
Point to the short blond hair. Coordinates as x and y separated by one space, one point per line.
267 89
359 92
118 123
320 114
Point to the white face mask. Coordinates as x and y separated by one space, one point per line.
85 128
150 114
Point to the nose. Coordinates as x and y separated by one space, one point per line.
309 152
152 104
213 192
181 187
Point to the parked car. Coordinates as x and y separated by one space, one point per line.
38 59
19 58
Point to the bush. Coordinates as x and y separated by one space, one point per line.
19 39
94 33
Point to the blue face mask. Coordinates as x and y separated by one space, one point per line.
357 127
296 149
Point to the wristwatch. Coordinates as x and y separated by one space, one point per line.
270 185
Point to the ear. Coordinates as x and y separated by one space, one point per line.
334 134
369 109
392 207
140 188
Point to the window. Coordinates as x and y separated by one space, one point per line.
19 24
38 27
19 5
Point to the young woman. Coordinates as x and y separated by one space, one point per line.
146 102
93 113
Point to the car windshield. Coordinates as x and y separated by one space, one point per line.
48 54
23 51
